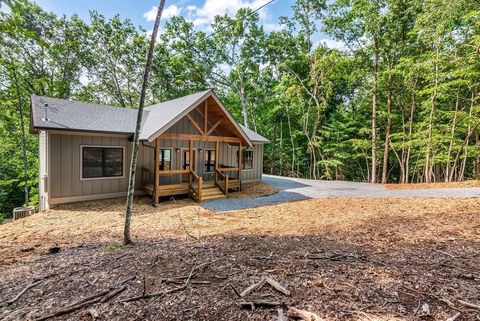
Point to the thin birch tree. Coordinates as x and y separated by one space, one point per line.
133 163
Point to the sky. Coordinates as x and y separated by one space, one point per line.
200 12
142 12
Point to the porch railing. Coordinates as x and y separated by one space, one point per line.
195 192
223 177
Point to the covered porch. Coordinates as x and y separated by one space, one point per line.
200 155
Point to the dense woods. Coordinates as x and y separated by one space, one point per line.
397 102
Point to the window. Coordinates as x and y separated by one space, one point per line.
165 159
247 159
100 162
209 160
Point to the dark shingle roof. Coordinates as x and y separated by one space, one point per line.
81 116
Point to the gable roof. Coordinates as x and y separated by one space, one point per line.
81 116
254 137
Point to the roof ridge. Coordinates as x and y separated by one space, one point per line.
83 102
203 92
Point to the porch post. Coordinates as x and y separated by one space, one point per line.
156 171
217 145
240 166
190 164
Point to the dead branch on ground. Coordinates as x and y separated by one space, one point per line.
302 314
28 287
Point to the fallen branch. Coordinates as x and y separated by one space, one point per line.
88 298
277 286
455 317
68 309
28 287
102 296
252 287
255 304
302 314
235 290
469 304
281 315
184 286
113 294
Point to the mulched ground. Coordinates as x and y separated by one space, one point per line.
349 259
464 184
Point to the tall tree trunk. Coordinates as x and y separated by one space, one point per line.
410 131
272 157
291 141
374 113
24 138
387 131
281 147
469 131
433 100
452 136
243 101
477 158
133 164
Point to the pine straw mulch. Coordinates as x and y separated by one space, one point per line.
344 259
464 184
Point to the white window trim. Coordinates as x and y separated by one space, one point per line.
101 178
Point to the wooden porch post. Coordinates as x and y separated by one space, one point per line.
240 166
156 198
190 165
217 145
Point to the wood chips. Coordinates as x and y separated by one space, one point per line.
342 259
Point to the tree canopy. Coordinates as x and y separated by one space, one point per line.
398 103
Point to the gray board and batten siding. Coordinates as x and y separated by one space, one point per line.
71 125
60 164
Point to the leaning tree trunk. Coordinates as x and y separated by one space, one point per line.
133 164
374 114
433 100
452 136
387 131
410 131
24 138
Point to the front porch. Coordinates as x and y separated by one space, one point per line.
185 179
199 154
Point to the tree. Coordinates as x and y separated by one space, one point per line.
133 163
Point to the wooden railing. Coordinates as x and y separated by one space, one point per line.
192 177
196 192
224 177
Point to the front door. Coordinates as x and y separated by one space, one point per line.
186 162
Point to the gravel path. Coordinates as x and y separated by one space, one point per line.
294 189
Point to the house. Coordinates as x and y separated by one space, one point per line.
189 145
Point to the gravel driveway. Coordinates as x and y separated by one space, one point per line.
294 189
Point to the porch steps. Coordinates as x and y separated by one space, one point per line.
210 192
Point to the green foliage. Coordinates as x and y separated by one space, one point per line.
113 247
314 103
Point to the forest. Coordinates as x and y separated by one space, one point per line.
398 102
